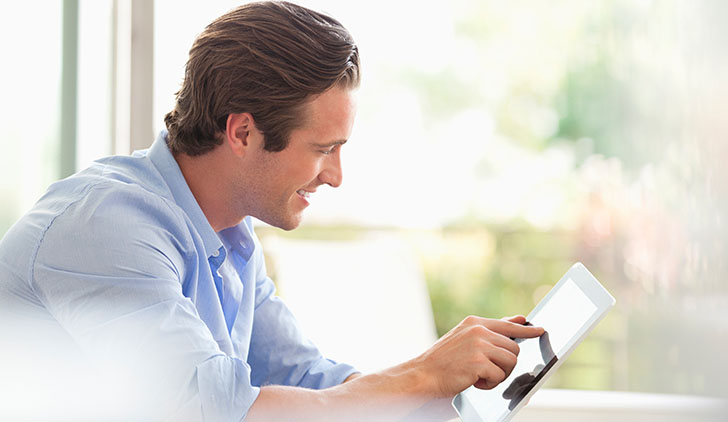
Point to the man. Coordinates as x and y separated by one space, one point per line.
142 278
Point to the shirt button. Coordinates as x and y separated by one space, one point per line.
216 253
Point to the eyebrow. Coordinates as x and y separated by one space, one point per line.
330 144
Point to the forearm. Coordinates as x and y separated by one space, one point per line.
353 376
388 395
479 351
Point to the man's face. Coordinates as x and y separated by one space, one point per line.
278 184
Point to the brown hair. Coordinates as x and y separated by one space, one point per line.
264 58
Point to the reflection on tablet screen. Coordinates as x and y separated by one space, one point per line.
562 317
523 383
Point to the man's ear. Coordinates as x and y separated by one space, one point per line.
238 131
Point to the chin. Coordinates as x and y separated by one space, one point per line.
288 227
286 224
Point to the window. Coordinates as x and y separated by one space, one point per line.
30 80
501 141
57 97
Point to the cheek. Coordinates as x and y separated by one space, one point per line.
305 172
295 171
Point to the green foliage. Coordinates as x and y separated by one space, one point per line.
593 105
439 91
522 266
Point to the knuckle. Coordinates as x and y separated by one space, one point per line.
478 331
500 375
507 372
470 320
479 360
484 345
512 361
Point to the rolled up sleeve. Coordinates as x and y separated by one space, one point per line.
280 354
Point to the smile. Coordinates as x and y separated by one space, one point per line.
304 193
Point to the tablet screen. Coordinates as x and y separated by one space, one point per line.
562 317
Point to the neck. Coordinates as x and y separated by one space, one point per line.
204 174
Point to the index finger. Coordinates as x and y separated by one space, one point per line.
513 330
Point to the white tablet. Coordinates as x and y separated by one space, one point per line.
568 313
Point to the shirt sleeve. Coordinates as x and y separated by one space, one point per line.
109 270
280 354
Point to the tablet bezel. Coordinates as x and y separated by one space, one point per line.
599 296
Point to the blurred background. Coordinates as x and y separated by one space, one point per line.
496 144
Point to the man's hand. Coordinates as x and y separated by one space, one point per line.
478 351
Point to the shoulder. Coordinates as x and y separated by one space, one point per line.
110 209
113 223
112 186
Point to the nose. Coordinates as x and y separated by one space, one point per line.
332 174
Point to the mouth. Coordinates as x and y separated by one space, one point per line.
303 193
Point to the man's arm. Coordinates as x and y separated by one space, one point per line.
477 352
110 270
280 353
352 377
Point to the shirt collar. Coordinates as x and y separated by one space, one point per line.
240 238
167 166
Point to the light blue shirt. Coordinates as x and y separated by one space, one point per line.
118 267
